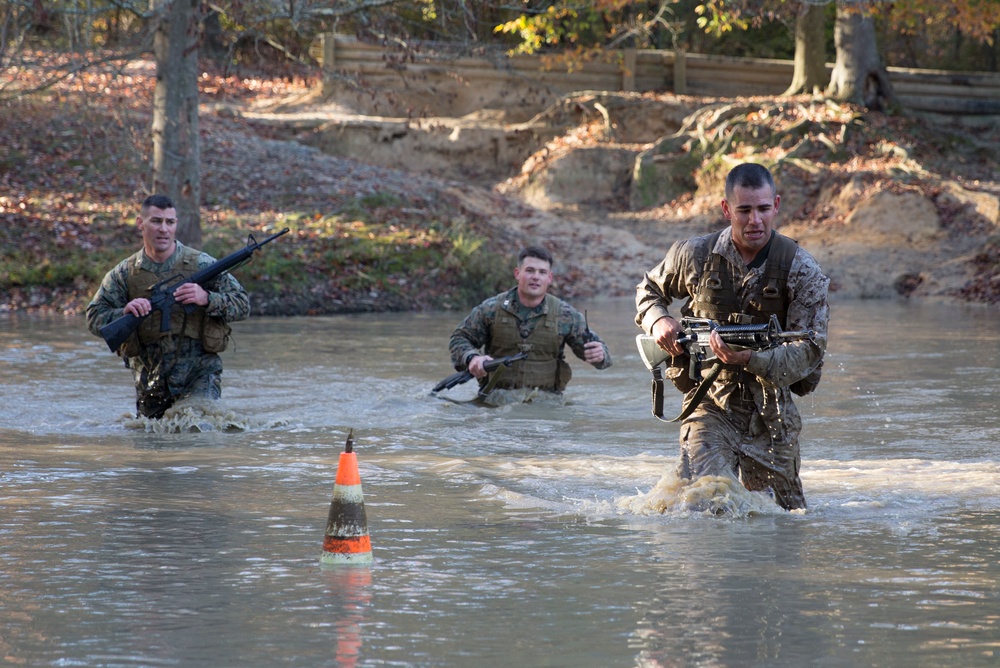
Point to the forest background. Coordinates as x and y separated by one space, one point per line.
87 128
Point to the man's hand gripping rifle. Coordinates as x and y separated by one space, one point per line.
695 340
161 295
464 376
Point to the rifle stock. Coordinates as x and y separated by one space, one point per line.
651 353
161 298
464 376
117 331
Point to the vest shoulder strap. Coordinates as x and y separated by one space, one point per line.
770 297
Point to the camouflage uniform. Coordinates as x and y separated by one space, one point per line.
171 367
747 425
475 334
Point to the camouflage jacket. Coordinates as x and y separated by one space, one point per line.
677 278
172 365
474 333
226 297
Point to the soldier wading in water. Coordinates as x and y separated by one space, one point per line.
184 361
525 319
747 425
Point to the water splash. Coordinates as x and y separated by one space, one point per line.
524 395
709 495
199 414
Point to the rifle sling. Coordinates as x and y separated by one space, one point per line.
699 394
657 393
494 377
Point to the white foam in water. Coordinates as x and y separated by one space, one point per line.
198 414
882 481
710 495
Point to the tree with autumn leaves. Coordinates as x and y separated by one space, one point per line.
858 75
175 31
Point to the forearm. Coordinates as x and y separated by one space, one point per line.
785 364
100 312
228 300
661 285
651 303
230 306
808 311
471 336
108 303
461 350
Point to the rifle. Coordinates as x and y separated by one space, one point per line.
464 376
694 337
161 298
588 335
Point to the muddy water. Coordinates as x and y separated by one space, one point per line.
528 535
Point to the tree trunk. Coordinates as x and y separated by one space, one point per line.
858 75
176 154
810 51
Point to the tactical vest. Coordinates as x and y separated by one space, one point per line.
213 332
716 298
545 367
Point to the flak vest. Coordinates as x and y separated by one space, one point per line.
716 298
545 367
213 332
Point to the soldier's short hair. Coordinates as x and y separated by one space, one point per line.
159 201
537 252
749 175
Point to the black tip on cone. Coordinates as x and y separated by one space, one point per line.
349 446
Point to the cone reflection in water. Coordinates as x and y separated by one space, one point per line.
346 540
349 597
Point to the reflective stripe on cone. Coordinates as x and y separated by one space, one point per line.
346 540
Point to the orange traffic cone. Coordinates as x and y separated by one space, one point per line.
346 540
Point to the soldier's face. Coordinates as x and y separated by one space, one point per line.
751 212
534 276
159 229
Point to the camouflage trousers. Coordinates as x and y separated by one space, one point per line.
173 372
735 442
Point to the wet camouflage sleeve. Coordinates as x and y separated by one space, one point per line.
226 297
474 333
808 310
573 327
109 302
669 280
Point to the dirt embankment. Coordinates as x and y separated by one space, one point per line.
889 205
396 213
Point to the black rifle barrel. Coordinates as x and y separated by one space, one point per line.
464 376
117 331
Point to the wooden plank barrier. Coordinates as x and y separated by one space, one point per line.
937 91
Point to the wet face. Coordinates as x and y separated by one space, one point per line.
751 212
159 229
534 276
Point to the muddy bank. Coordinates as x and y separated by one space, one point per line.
889 205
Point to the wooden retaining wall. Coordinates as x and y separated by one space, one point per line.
468 84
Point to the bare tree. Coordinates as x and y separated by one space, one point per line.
859 75
176 149
809 74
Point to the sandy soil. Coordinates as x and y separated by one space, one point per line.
895 219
